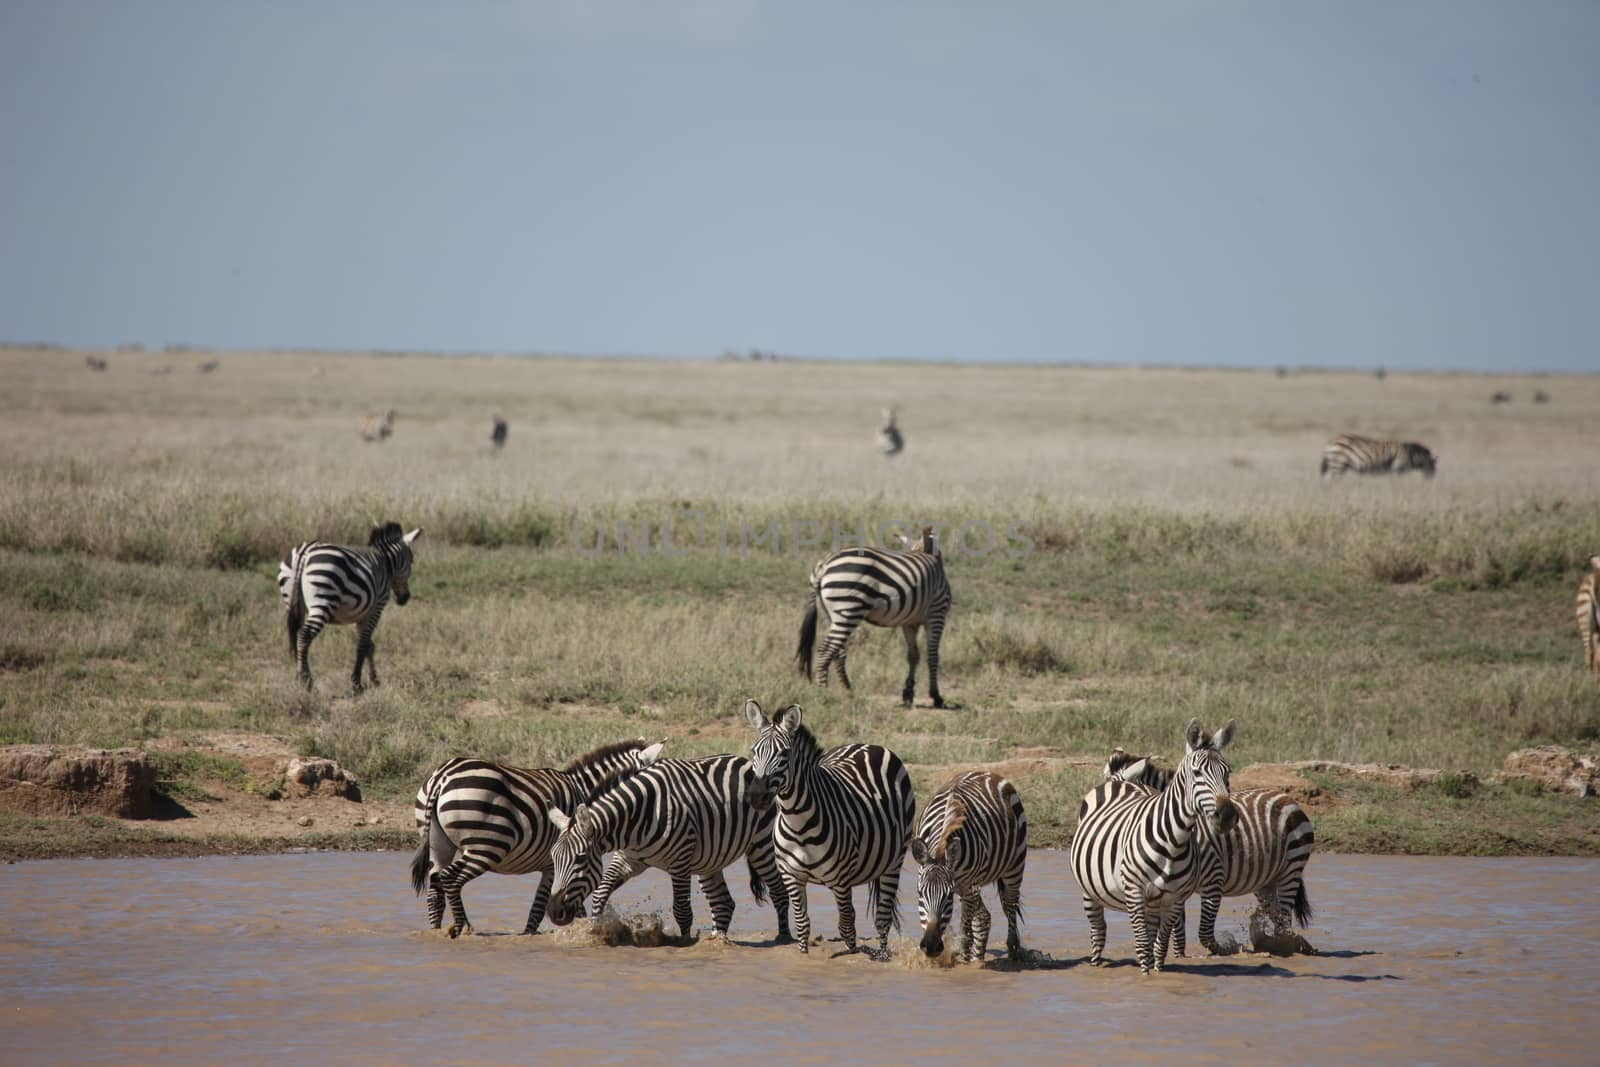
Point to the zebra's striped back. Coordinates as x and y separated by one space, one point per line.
1369 455
1588 611
973 832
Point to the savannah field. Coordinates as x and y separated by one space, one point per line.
1162 548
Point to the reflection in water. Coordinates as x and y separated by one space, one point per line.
251 959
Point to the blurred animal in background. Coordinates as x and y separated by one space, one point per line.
1589 616
208 366
498 437
1366 455
1541 397
94 363
890 442
1500 398
376 427
1380 374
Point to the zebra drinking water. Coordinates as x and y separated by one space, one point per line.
1135 850
973 832
684 816
906 589
322 584
475 816
1368 455
844 817
1265 853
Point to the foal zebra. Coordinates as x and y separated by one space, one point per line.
904 589
684 816
844 817
322 583
1264 854
1367 455
475 816
972 832
1135 850
1588 611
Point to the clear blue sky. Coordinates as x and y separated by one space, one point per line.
1351 182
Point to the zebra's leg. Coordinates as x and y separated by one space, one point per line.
833 648
888 898
935 630
715 887
435 902
1139 920
617 872
908 694
764 865
1210 903
1097 929
308 633
682 909
847 916
1168 921
453 878
975 926
1180 933
796 890
1011 905
541 899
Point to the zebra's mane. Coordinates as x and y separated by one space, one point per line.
955 817
389 531
604 752
606 787
1121 758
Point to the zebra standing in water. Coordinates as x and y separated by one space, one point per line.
322 583
1367 455
844 817
1134 850
1588 610
475 816
886 588
684 816
1264 854
972 832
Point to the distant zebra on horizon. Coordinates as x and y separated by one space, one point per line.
972 833
375 427
1588 611
890 440
475 815
905 589
1135 850
1265 854
497 436
1369 455
844 818
94 362
688 817
323 584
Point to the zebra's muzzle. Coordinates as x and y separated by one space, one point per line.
932 942
760 794
401 596
1227 816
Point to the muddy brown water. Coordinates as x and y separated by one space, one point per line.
323 958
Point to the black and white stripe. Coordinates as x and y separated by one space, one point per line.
1588 611
688 817
1135 850
1265 853
973 833
324 584
844 817
1367 455
901 589
474 816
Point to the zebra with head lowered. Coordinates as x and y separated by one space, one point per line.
844 817
1588 611
973 832
322 584
475 816
1368 455
684 816
905 589
1265 853
1135 850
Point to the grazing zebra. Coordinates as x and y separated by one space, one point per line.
208 366
684 816
1264 854
1500 398
498 435
972 832
94 363
905 589
322 583
1541 397
1367 455
1588 609
890 442
376 427
1134 849
475 816
844 817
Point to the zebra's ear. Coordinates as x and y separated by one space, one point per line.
1131 772
650 754
753 714
583 818
413 535
788 718
1223 736
1192 734
919 851
559 819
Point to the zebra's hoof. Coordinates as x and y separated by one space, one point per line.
460 931
783 938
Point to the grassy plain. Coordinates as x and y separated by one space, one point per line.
1163 548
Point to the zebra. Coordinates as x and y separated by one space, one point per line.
972 832
474 815
94 362
844 817
684 816
322 583
1501 397
1264 854
1368 455
1588 611
208 366
498 436
1134 849
376 427
905 589
890 441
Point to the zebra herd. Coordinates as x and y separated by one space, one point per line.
842 817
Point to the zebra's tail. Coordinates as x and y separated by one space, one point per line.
1302 906
296 614
808 636
420 861
758 887
872 905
